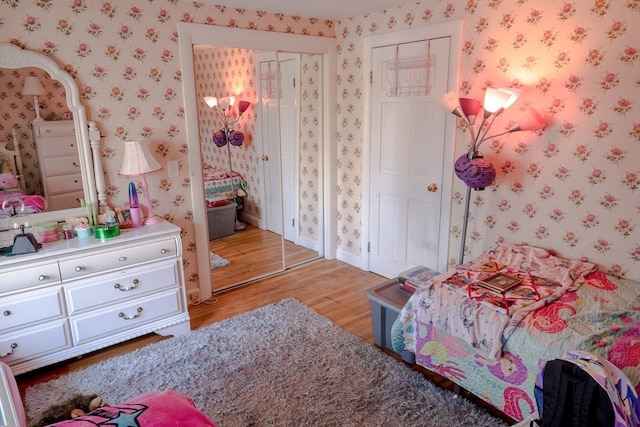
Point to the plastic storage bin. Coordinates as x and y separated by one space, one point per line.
221 221
386 302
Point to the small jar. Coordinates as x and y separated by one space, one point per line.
67 231
83 230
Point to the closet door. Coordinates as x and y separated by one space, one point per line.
407 154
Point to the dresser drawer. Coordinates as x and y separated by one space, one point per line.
123 285
24 309
46 129
35 275
59 146
64 200
125 257
61 165
65 183
122 317
33 342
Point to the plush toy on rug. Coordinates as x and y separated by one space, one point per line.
76 406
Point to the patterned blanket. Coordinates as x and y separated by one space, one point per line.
458 304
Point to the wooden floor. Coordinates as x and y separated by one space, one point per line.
332 288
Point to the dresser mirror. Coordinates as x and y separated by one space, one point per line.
13 58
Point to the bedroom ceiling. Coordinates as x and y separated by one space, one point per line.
321 9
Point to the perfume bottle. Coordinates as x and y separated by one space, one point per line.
134 205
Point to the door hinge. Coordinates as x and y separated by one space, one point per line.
370 77
293 222
294 82
369 247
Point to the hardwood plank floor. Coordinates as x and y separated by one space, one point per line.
332 288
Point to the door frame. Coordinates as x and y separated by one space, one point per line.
190 34
453 30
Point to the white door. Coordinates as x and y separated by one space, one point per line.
407 129
279 121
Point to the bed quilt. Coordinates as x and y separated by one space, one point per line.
217 183
595 313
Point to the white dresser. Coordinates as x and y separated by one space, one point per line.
79 295
59 163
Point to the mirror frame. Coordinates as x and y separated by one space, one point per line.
87 135
190 34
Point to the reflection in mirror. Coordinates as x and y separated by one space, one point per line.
250 158
275 158
15 61
18 110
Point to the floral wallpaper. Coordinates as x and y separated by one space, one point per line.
17 111
125 59
572 188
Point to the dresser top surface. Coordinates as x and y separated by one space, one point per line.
61 248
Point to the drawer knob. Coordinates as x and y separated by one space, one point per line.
42 277
79 268
122 258
163 251
6 313
13 348
131 316
127 288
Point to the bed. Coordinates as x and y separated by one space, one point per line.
494 347
13 196
217 184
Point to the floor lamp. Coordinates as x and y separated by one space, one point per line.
227 136
472 168
138 161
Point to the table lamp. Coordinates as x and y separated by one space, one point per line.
33 86
138 161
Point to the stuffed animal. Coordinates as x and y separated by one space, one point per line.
8 180
76 406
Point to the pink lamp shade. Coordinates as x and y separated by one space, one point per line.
243 106
531 121
470 107
138 160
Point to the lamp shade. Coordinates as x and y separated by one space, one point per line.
531 121
495 99
32 86
451 103
211 101
470 107
243 106
138 159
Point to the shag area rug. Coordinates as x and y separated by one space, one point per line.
279 365
217 261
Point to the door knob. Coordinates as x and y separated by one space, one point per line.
265 158
432 188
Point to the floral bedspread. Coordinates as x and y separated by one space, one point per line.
600 314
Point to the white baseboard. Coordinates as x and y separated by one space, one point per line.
351 259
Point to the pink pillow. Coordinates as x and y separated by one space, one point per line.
12 402
162 409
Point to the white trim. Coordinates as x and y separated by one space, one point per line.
190 34
453 30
